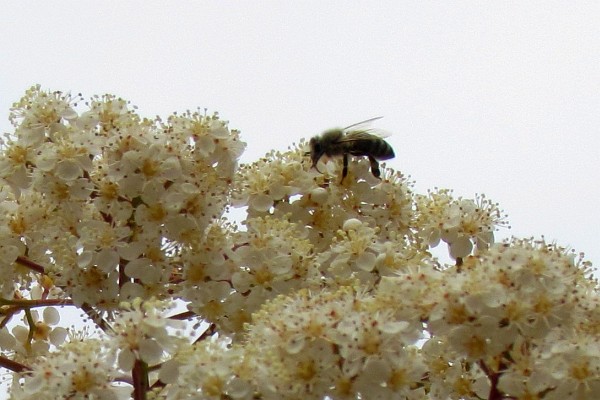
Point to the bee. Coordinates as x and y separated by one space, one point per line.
355 140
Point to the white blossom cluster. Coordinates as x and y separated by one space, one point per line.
81 369
325 289
341 344
458 222
100 197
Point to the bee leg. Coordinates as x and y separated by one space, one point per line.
345 169
375 167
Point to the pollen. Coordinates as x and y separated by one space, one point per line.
581 371
213 386
306 370
83 381
17 154
150 168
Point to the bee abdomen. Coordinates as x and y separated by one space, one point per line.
383 151
376 148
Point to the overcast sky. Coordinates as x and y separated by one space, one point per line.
501 98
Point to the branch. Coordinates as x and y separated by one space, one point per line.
459 264
36 303
207 333
13 365
26 262
95 316
15 306
31 324
183 316
140 380
122 275
494 377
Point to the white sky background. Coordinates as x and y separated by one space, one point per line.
501 98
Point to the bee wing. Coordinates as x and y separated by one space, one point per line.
362 123
352 136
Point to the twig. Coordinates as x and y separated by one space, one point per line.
95 316
140 380
207 333
15 306
26 262
13 365
494 377
183 316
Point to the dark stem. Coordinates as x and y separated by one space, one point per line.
140 380
207 333
26 262
183 316
122 276
13 365
459 263
95 316
494 377
15 306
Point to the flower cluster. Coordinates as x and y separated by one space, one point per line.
46 332
143 332
511 312
545 290
81 369
284 185
359 252
209 370
101 197
458 222
269 257
322 289
333 344
302 229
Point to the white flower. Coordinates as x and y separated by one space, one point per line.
141 332
304 343
458 222
81 369
209 370
44 332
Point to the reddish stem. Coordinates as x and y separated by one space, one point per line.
26 262
494 377
183 316
140 380
13 365
95 316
